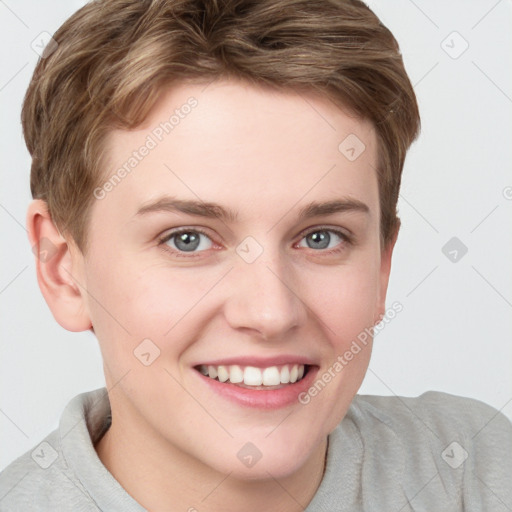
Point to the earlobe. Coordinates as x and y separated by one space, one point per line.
55 266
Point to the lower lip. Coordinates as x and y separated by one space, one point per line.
262 399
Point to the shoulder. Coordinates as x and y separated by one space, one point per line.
42 479
460 446
39 480
439 414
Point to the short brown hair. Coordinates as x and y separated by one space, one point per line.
114 57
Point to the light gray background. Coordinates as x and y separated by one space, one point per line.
454 334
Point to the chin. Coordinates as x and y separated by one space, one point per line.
262 459
278 468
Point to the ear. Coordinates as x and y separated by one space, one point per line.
385 269
59 269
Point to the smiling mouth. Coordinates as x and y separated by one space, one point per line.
251 377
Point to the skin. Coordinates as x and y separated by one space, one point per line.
265 155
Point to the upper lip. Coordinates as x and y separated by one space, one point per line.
259 362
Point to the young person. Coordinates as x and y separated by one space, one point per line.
215 187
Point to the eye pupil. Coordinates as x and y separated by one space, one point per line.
189 239
320 236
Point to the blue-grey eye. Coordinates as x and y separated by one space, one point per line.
321 238
187 241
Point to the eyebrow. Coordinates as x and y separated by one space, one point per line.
214 210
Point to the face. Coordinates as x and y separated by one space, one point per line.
248 289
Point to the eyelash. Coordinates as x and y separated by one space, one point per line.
346 240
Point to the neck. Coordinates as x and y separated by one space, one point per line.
160 476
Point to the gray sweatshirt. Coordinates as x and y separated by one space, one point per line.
433 453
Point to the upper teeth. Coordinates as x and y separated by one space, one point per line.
252 376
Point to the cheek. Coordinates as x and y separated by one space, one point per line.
344 299
344 302
130 296
136 302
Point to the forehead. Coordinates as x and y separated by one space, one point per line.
243 146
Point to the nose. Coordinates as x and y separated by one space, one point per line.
264 297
